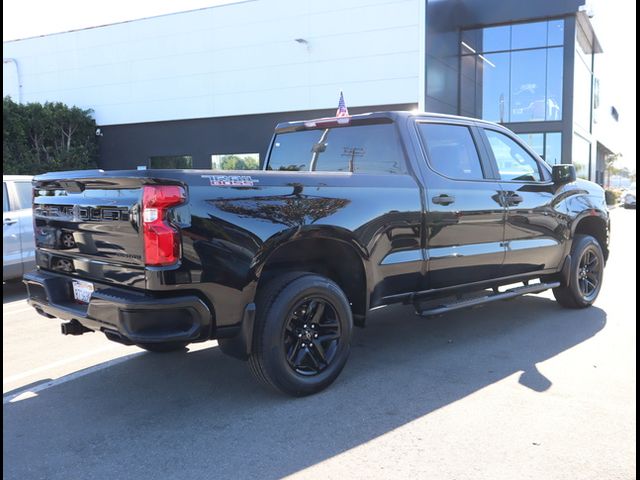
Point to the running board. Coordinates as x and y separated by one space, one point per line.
494 297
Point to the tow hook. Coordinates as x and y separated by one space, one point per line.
73 327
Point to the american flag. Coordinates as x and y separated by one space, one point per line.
342 108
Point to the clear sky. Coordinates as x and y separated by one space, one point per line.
614 21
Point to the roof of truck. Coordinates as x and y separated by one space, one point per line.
371 117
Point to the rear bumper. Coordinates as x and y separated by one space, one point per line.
123 315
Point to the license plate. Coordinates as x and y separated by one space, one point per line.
82 291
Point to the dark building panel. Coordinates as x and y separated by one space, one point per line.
130 145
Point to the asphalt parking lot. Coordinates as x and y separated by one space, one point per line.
517 389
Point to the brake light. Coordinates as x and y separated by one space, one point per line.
161 240
328 122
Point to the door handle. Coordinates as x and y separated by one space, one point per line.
443 199
8 221
514 199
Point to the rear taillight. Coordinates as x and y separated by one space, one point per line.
161 240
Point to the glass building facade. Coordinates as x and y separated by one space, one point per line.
548 145
513 74
527 65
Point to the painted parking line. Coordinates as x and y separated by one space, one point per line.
33 391
64 361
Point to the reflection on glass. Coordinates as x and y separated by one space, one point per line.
554 84
582 94
357 149
528 35
535 72
555 32
495 86
514 163
553 148
528 85
451 151
495 39
535 141
581 156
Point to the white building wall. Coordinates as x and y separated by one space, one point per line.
230 60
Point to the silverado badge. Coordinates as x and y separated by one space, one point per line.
231 180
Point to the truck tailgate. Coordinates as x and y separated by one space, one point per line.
90 228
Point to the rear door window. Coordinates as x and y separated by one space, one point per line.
451 151
357 149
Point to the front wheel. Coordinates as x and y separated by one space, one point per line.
302 333
585 276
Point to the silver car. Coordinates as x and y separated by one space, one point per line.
629 199
18 245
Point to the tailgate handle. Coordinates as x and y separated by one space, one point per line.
8 221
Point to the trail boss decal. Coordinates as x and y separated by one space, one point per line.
231 180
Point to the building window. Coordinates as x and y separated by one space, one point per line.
614 113
547 145
581 156
553 148
535 141
513 73
171 161
236 161
582 93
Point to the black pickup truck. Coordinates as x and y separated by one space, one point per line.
347 215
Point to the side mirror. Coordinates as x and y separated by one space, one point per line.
565 173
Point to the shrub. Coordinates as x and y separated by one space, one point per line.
39 138
611 196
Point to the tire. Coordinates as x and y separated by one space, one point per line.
163 347
302 333
585 274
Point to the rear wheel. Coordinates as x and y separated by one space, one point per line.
585 276
302 333
163 347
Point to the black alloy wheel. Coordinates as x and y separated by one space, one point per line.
589 274
585 274
311 336
302 333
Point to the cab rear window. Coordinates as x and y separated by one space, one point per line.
357 149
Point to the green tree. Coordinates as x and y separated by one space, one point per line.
609 165
235 162
46 137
